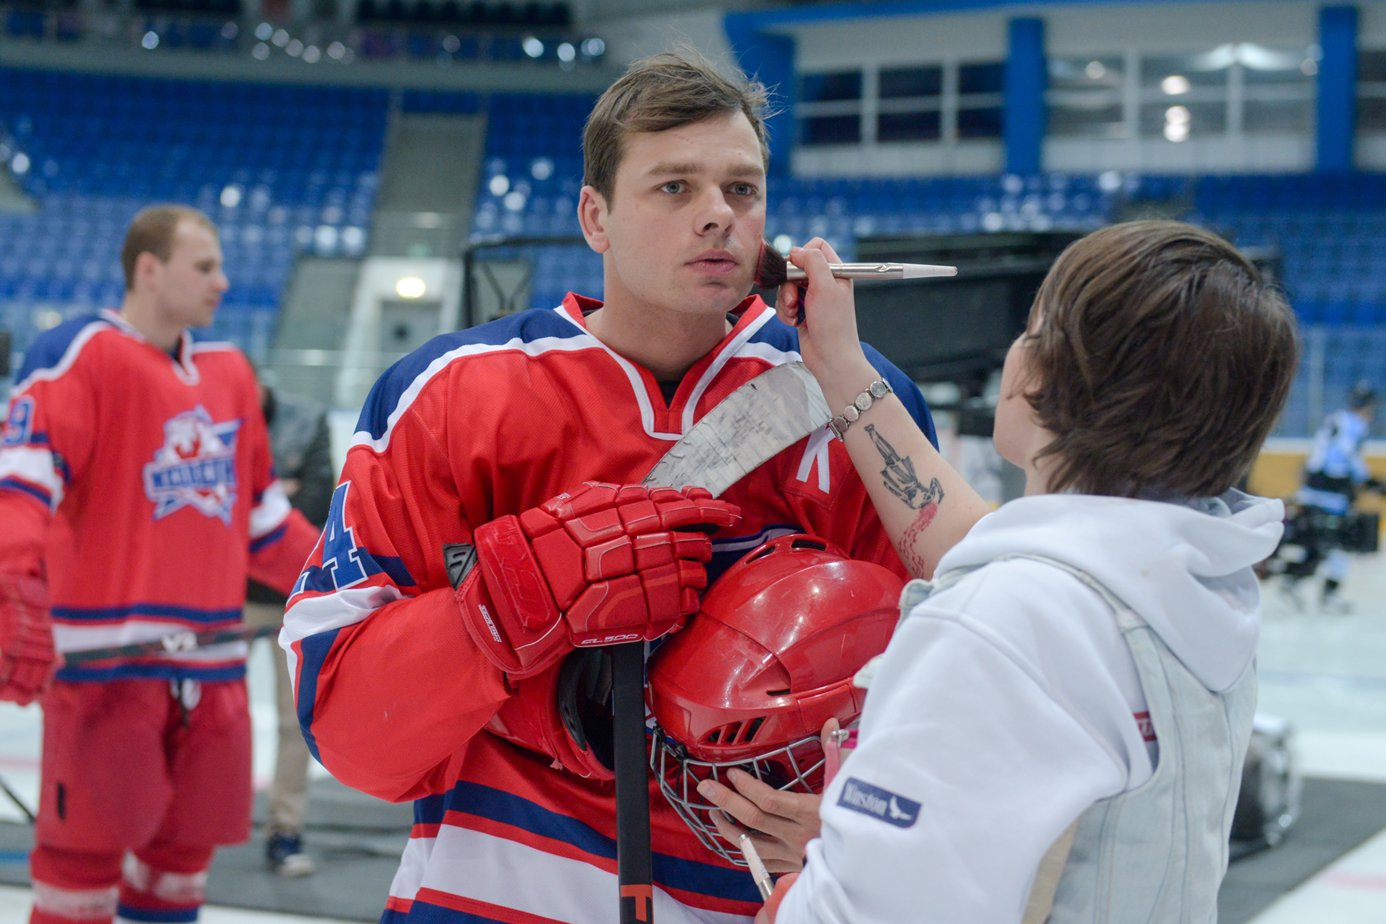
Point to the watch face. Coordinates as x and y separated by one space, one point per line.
863 401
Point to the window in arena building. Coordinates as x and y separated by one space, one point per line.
833 87
910 104
920 103
1198 119
830 108
830 129
1177 75
924 125
1371 90
912 82
1278 116
980 87
1185 96
1085 95
1277 87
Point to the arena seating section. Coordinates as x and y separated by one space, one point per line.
1329 232
282 169
293 170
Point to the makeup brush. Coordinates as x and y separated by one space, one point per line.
773 270
759 873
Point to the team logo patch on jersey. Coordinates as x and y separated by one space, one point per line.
196 466
881 804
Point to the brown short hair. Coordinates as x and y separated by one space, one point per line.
658 93
152 230
1162 359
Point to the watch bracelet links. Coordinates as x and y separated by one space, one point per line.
860 405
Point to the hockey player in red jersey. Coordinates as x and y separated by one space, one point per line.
491 438
137 493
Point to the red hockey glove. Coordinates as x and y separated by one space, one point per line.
599 565
27 661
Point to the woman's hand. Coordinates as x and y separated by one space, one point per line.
780 824
828 338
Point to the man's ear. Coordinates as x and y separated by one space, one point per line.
147 266
592 214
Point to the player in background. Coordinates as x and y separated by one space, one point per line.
1060 720
1334 473
136 494
445 688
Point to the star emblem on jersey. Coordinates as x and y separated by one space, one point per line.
878 803
196 466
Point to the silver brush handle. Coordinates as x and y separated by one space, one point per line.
878 271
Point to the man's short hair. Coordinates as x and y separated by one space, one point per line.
152 231
1161 360
658 93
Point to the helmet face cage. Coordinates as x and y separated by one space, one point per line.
796 767
766 661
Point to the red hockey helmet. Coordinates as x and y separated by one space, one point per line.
768 658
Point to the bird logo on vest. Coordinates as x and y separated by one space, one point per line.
196 466
878 803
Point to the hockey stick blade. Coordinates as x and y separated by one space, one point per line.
174 641
762 418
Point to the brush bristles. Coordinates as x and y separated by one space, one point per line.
772 269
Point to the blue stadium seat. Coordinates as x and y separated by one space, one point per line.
290 153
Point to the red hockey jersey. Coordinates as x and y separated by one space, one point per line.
144 483
393 696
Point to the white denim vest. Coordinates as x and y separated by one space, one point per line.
1157 853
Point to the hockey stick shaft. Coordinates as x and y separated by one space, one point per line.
14 797
174 641
762 417
634 866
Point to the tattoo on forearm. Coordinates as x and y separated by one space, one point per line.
908 553
900 478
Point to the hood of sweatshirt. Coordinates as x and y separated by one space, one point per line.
1184 567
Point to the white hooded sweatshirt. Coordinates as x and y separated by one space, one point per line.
1008 702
